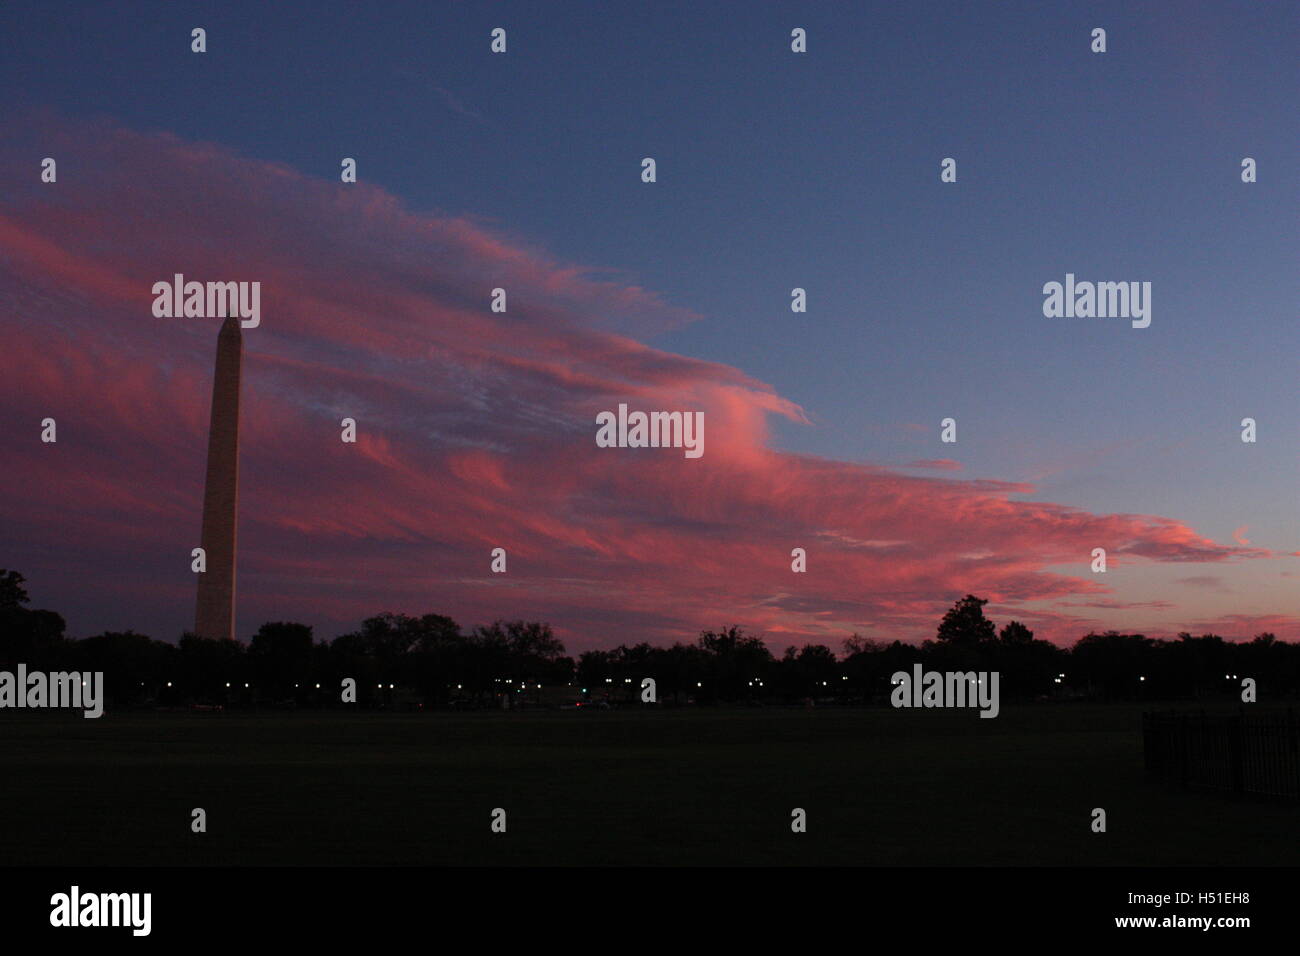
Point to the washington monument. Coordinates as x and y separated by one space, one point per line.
215 613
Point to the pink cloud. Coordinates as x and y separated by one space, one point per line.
1243 627
1209 582
936 464
476 430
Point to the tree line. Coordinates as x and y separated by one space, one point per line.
432 662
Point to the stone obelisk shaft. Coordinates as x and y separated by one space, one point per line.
215 614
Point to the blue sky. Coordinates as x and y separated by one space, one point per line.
822 171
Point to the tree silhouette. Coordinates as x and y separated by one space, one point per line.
26 635
12 593
1015 633
965 624
446 666
280 654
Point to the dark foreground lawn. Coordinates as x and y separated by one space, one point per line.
880 786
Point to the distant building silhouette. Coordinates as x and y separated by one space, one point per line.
215 612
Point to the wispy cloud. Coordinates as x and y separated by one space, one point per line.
1208 582
476 430
935 464
449 99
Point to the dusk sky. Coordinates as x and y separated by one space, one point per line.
775 170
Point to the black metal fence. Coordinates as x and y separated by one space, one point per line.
1255 754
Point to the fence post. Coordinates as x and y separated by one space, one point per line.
1184 755
1235 755
1291 739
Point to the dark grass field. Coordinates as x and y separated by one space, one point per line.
713 787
